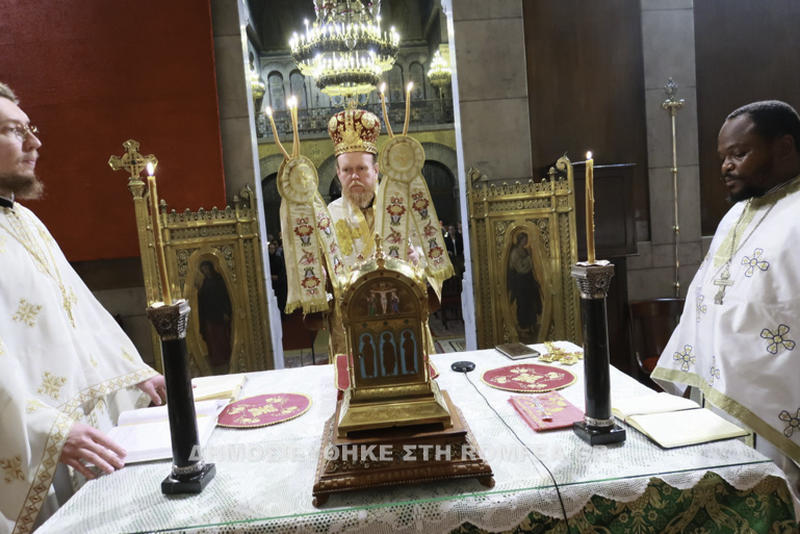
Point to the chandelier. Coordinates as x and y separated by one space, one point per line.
439 72
345 49
256 85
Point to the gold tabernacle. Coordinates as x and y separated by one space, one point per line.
393 424
384 311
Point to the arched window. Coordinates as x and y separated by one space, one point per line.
396 87
277 95
297 87
416 74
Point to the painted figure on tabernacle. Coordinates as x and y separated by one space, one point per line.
408 349
388 355
366 356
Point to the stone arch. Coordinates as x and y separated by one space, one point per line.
444 157
297 87
443 154
269 165
396 89
277 93
416 74
441 184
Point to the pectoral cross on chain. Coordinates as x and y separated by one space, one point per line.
722 282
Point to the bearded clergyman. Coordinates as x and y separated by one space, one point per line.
66 364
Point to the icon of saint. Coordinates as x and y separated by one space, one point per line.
524 293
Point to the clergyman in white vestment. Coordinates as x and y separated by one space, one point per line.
737 340
65 364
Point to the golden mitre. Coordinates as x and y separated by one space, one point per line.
385 315
354 130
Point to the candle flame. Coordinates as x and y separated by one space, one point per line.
292 101
409 87
382 87
269 111
150 168
589 155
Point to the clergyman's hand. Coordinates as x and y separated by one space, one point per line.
87 445
156 389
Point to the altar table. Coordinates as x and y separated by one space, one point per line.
264 477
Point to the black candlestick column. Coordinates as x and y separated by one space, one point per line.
598 425
190 473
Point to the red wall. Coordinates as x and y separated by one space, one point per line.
94 73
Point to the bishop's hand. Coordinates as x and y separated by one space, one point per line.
86 445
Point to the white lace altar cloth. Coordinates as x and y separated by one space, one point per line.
264 476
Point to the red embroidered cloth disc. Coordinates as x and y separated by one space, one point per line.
263 410
528 378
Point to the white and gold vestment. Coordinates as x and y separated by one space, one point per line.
737 340
323 243
61 355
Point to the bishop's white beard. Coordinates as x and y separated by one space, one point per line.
23 186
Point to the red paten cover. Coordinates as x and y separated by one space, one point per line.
342 377
528 378
263 410
536 409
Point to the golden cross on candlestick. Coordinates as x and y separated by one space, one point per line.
132 161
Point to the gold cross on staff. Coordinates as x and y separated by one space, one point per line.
132 161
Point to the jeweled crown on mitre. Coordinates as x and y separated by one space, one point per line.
354 130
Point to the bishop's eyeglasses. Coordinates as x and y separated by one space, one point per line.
21 131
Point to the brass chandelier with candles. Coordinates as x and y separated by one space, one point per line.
345 50
439 72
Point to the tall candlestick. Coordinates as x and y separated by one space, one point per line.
158 243
291 103
275 133
408 106
590 208
383 107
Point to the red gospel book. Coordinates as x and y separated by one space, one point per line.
547 411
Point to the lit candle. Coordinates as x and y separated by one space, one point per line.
158 243
590 207
275 132
383 107
291 103
408 106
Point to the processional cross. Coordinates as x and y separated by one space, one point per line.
132 161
